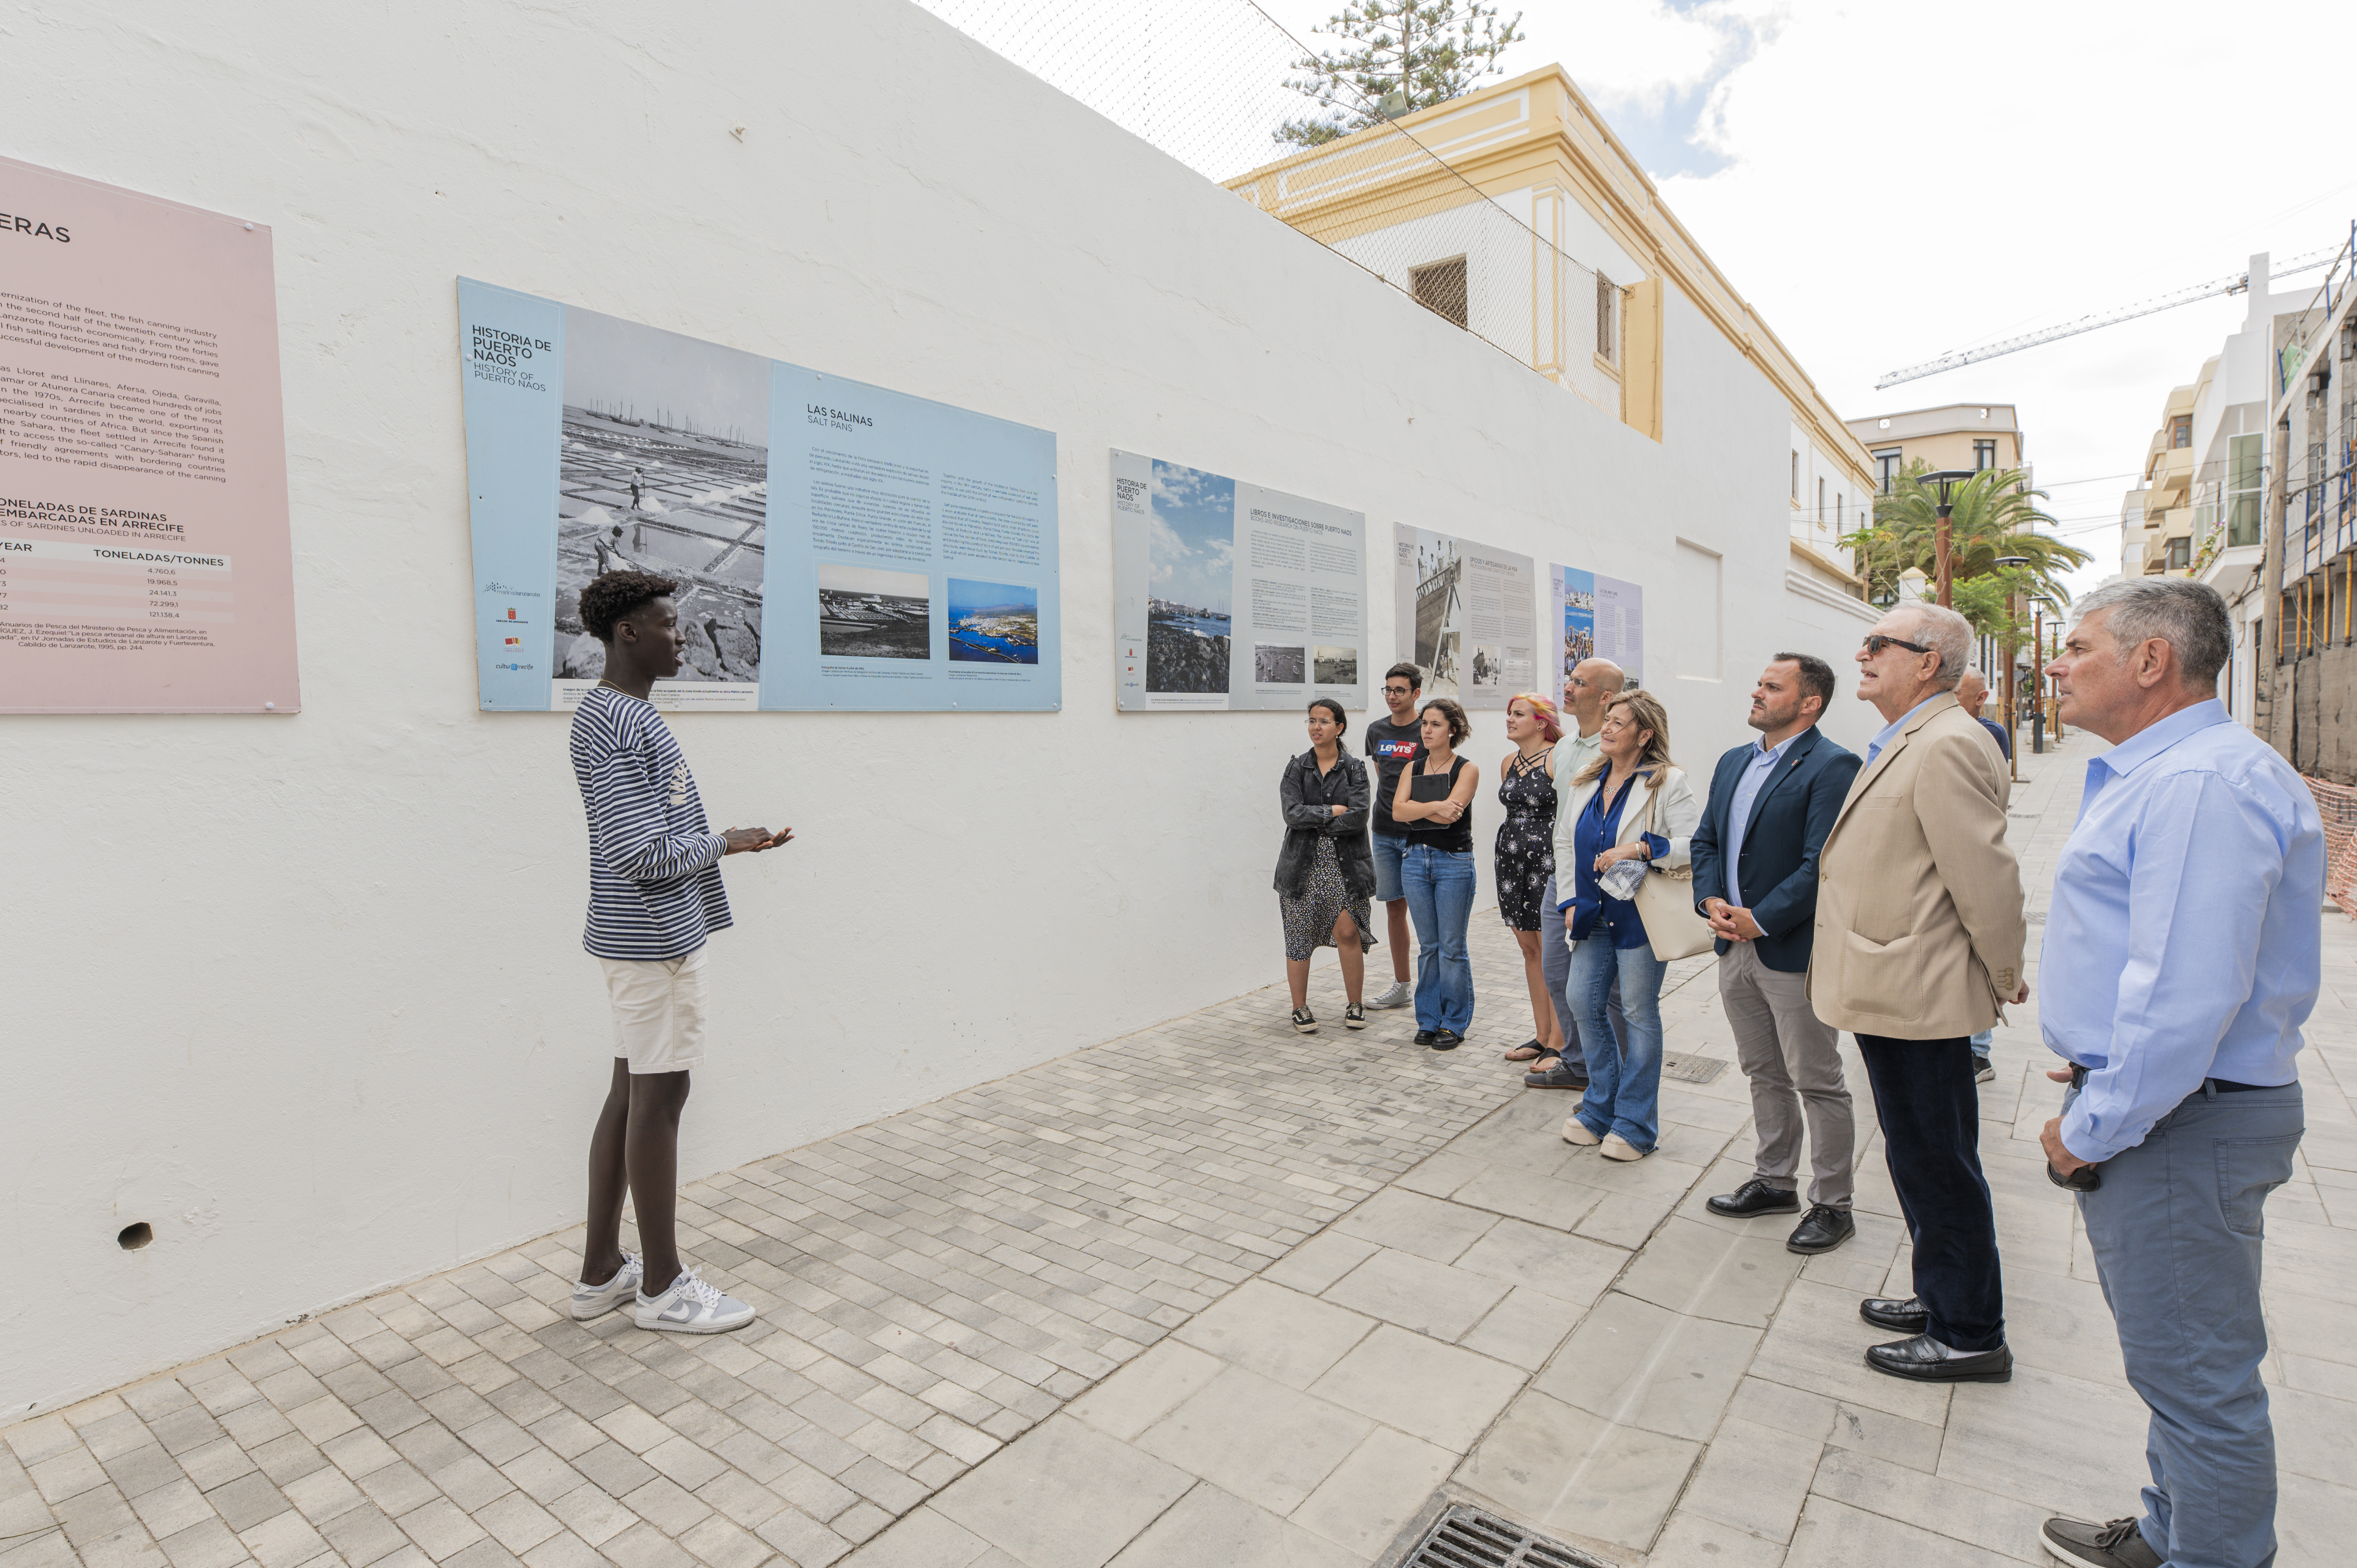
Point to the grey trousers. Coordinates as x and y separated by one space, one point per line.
2176 1231
1794 1064
1555 964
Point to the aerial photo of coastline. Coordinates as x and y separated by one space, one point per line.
864 613
993 623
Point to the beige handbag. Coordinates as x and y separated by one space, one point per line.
1665 903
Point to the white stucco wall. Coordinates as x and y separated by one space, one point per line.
307 995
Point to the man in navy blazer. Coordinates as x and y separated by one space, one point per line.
1755 879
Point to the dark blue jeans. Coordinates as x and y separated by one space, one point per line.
1929 1109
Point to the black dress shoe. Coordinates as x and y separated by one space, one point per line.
1926 1360
1424 1036
1558 1076
1824 1228
1906 1316
2116 1543
1446 1039
1756 1196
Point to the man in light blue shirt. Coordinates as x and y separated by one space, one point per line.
2181 956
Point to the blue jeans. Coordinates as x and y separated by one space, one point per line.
2176 1231
1389 849
1624 1089
1438 884
1555 963
1981 1041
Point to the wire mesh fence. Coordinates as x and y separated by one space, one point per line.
1213 83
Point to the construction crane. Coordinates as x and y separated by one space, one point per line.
2211 290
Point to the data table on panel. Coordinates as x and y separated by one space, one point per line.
42 580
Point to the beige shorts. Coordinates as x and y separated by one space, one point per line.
659 1011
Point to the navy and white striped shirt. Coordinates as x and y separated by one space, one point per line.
654 861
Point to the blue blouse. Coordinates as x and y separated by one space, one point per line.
1596 830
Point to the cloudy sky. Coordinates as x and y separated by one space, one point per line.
1191 547
1886 182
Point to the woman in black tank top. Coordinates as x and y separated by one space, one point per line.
1433 809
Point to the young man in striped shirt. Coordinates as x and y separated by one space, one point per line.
654 895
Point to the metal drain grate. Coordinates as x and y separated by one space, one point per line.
1691 1070
1469 1538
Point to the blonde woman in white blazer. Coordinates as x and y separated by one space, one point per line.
1629 804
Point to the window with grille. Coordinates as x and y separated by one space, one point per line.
1608 320
2180 431
1440 287
1984 454
1887 465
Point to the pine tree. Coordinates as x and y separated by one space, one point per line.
1399 56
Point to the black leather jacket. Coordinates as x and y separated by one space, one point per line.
1309 799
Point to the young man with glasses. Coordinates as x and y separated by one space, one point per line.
1394 742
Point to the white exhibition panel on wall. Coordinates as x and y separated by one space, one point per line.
1596 618
145 565
1467 617
837 545
1229 595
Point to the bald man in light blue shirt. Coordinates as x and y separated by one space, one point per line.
2181 956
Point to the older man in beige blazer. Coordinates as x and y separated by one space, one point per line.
1919 940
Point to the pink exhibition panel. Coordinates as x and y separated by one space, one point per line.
144 561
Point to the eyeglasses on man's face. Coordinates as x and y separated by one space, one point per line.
1876 642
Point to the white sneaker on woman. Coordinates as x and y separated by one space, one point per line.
594 1301
692 1307
1575 1131
1617 1148
1399 996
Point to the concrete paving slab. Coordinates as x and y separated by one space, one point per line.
1267 1444
1211 1529
1441 1393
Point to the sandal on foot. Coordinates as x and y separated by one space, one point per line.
1528 1051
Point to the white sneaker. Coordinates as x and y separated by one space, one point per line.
1399 996
1617 1148
596 1301
692 1307
1575 1131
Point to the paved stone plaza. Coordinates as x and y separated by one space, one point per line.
1218 1295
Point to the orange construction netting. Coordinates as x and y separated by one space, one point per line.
2337 804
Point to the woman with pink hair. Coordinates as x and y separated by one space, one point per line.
1526 855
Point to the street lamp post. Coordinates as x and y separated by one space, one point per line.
2012 714
1945 478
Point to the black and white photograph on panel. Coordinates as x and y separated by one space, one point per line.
1338 666
664 467
865 612
1278 664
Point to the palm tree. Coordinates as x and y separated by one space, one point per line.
1991 516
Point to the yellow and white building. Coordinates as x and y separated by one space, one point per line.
1516 213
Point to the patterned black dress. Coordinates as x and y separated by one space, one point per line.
1525 841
